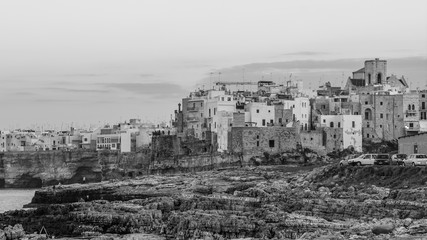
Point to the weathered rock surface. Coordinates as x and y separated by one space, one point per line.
265 202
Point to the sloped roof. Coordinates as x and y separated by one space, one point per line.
362 70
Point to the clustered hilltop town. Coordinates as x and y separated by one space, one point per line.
272 118
232 165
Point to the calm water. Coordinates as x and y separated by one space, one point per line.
11 199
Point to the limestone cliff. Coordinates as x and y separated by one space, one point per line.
264 202
37 169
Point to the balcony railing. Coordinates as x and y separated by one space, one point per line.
411 111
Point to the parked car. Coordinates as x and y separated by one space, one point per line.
344 162
382 159
397 159
416 160
364 159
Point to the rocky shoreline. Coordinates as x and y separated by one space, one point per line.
263 202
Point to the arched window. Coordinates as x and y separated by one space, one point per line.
413 107
379 78
331 124
368 114
409 107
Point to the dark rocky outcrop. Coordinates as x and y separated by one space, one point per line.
264 202
37 169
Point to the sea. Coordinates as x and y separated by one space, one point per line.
12 199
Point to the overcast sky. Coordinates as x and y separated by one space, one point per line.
92 61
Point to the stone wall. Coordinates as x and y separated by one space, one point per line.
254 141
313 140
408 144
333 138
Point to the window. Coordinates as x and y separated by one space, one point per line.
368 114
423 105
229 99
201 104
271 143
411 125
423 96
257 143
335 136
381 115
271 121
323 107
381 103
209 112
339 124
331 124
214 111
367 124
222 98
413 107
409 107
263 122
324 120
381 126
268 110
280 120
366 102
353 124
257 111
367 135
201 114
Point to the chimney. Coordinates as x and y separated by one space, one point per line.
179 107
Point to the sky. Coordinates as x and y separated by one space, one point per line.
81 63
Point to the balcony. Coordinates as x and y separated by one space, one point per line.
411 112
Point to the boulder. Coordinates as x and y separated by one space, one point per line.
383 229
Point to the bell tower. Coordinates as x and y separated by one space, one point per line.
375 71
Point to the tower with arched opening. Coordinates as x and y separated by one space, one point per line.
375 71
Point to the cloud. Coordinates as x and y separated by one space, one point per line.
335 70
146 75
84 75
25 93
303 53
163 90
56 100
78 90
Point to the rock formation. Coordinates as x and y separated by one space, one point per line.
264 202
